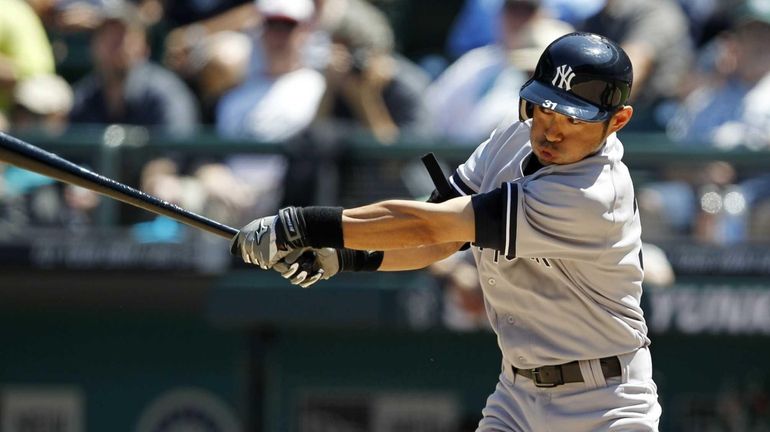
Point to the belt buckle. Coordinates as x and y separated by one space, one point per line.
536 378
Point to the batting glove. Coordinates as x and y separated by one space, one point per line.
304 267
257 243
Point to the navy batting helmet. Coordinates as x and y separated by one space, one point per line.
580 75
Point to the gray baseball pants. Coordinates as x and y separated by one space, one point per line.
625 403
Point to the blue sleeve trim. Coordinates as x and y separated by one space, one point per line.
457 183
511 211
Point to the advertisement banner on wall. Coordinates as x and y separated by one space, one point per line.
350 411
188 409
41 409
713 309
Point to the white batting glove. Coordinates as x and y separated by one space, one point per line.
304 267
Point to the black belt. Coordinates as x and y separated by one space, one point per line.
552 376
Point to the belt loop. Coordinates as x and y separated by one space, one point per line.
588 376
592 373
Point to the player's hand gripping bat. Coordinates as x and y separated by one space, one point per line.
306 267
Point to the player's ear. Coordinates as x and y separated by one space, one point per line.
526 109
621 118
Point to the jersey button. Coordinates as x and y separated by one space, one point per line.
521 359
491 281
511 319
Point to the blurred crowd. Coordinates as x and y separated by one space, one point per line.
303 72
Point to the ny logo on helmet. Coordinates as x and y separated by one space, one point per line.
564 76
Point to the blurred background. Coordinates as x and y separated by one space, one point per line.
113 319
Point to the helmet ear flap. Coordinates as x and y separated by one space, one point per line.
526 109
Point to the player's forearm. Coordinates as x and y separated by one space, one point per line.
417 258
398 224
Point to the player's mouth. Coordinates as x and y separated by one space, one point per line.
544 152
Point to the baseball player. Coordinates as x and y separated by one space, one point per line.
548 207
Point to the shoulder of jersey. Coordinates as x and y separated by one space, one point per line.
516 134
515 128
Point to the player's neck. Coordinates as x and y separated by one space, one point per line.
532 165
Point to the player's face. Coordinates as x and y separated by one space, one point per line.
558 139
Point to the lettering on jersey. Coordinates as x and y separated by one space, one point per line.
509 258
564 76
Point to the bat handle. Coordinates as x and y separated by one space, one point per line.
437 175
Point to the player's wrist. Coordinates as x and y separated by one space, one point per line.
359 261
315 227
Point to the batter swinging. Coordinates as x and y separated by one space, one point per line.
549 208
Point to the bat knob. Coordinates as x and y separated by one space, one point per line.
306 262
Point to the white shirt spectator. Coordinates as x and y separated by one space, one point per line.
474 95
271 108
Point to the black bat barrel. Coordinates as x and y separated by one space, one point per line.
24 155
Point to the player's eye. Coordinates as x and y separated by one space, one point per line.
575 121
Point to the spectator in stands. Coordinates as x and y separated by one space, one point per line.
477 23
161 178
707 18
30 199
215 15
475 26
574 12
369 85
24 49
41 103
193 25
463 301
186 43
730 108
655 35
125 87
13 215
479 91
282 99
276 103
358 19
218 64
71 16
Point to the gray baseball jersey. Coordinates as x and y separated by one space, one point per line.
567 285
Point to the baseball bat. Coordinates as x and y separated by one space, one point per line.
437 175
24 155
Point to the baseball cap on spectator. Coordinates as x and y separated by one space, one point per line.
121 11
361 27
289 10
44 94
